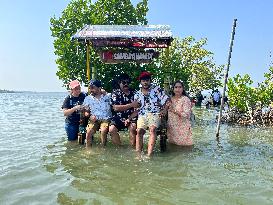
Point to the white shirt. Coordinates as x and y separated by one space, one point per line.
152 102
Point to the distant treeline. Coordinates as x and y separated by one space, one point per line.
7 91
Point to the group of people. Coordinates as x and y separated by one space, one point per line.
210 99
137 110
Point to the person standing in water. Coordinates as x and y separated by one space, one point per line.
179 113
98 103
123 104
71 106
152 100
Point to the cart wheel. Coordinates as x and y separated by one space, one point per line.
163 141
81 138
163 134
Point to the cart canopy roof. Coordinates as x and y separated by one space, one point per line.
126 36
123 32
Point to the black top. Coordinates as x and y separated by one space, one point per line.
69 102
120 98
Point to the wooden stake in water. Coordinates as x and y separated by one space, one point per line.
226 77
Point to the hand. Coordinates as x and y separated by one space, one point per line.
135 104
127 122
85 107
77 107
174 111
171 109
103 91
168 104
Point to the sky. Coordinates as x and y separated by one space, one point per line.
27 60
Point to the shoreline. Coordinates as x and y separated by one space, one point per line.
9 91
256 117
23 91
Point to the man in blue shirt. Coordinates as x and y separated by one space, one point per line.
100 112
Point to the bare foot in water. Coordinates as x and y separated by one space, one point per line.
147 157
89 150
138 156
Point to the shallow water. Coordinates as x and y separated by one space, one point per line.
37 166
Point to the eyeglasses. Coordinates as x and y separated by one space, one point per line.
125 82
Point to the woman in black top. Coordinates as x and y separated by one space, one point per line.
71 105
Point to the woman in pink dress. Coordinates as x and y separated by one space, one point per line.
179 112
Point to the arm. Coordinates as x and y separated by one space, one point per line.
134 114
67 107
116 101
103 91
165 108
120 108
68 112
186 108
165 102
174 111
164 98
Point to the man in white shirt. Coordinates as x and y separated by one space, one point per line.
100 112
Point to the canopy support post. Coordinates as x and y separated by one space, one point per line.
88 60
167 75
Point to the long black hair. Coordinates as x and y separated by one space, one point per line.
184 91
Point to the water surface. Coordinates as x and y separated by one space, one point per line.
38 166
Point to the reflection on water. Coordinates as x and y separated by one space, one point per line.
38 166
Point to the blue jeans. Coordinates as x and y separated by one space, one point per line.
71 131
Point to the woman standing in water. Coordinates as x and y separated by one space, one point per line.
179 112
71 105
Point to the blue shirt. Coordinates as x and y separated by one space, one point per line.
99 107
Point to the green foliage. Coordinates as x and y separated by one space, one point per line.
245 97
71 55
265 89
186 59
189 61
240 92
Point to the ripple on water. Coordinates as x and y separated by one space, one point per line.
37 166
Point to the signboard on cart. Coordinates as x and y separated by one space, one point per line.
113 57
